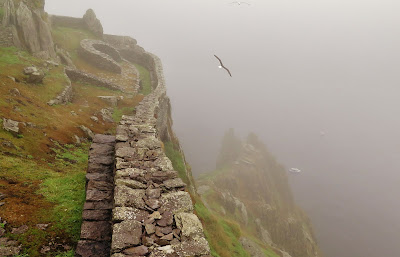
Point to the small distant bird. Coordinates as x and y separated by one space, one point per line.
240 3
222 65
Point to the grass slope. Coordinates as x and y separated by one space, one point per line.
42 169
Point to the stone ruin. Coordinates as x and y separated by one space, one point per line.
100 54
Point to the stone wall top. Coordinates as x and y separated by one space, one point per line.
153 214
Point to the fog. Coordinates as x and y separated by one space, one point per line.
317 80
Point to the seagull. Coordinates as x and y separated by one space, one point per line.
222 65
239 3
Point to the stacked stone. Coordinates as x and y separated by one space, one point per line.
77 75
153 214
96 227
65 96
100 54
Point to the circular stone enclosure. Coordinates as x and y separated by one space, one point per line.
100 54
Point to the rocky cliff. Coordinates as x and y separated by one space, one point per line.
251 188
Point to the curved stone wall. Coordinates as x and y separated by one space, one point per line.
100 54
134 53
65 96
80 76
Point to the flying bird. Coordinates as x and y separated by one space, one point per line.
222 65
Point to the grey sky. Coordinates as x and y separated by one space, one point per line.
299 67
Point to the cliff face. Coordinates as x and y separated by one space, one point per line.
251 188
25 25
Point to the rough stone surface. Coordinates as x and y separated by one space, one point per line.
65 96
92 23
148 191
96 226
126 234
11 126
87 131
92 249
252 248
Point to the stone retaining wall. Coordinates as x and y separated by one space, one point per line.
80 76
64 21
100 54
96 225
153 214
134 53
65 96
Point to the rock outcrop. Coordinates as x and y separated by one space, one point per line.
11 126
250 183
28 29
92 23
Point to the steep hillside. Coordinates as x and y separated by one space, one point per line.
46 124
249 190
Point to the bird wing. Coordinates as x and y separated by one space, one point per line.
227 70
219 60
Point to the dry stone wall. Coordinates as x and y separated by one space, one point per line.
96 225
100 54
130 51
80 76
153 214
65 96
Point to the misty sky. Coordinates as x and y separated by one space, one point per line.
299 67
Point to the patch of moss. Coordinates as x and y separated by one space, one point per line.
177 160
145 81
68 193
118 112
222 235
70 38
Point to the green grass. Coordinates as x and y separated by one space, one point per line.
12 55
222 235
8 55
68 155
269 253
118 112
70 38
70 253
68 193
12 167
177 160
145 80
